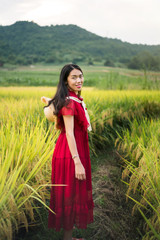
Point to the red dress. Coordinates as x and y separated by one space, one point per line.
73 204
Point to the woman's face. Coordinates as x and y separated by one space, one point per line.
75 80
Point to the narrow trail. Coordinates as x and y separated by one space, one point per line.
113 219
112 215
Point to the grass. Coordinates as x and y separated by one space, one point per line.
24 178
95 76
141 151
27 141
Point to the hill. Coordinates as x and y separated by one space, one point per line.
27 42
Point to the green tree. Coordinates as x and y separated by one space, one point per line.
109 63
145 61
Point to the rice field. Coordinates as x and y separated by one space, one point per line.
100 77
141 152
128 119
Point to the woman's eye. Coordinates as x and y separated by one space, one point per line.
81 76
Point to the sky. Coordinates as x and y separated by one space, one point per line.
134 21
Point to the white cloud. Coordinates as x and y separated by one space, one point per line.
136 21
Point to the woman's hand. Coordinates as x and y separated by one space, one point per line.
80 171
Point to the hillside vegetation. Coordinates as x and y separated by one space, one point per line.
28 43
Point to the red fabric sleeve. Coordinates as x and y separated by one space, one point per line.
69 109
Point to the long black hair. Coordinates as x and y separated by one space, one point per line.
59 100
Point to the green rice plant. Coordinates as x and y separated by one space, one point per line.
100 77
27 142
24 173
142 169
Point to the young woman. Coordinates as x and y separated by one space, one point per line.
73 203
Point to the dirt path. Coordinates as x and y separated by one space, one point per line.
113 220
112 215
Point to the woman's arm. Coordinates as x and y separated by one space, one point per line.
69 127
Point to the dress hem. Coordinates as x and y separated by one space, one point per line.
67 229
